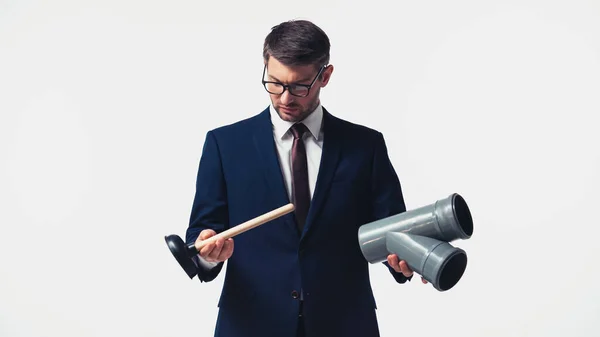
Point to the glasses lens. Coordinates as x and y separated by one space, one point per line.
299 91
274 88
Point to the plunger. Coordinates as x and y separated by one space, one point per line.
183 253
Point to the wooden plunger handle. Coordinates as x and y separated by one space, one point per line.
231 232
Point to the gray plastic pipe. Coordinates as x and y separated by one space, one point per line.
421 237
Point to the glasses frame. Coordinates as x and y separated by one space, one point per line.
287 86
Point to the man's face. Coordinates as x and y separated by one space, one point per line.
289 107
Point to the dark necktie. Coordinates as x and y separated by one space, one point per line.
300 189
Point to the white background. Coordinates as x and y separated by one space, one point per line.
105 104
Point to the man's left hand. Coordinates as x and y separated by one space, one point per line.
400 266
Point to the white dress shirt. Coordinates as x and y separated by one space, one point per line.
313 142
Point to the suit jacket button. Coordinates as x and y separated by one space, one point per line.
295 294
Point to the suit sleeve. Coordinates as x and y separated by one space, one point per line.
387 192
209 209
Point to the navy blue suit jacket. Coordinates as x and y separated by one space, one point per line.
239 178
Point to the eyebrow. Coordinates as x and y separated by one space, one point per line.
297 82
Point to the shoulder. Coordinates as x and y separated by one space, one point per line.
352 130
241 127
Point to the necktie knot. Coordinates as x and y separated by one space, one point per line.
298 130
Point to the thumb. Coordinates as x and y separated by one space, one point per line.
207 233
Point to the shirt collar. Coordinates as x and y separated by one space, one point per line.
312 122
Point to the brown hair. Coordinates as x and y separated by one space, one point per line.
297 43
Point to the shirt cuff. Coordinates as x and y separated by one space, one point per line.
204 263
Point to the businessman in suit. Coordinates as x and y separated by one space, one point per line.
303 274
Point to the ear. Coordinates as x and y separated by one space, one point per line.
326 75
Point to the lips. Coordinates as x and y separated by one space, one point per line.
288 109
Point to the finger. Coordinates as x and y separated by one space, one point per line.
391 258
423 280
227 250
214 255
404 269
393 262
207 249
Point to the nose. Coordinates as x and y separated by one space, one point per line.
286 98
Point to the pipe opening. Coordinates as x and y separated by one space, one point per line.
452 271
463 215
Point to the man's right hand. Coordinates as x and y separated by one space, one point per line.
217 251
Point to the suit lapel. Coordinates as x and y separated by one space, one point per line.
332 145
267 151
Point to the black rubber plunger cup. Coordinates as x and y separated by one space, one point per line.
184 253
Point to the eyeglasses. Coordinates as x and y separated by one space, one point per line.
298 90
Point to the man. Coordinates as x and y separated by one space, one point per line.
302 274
